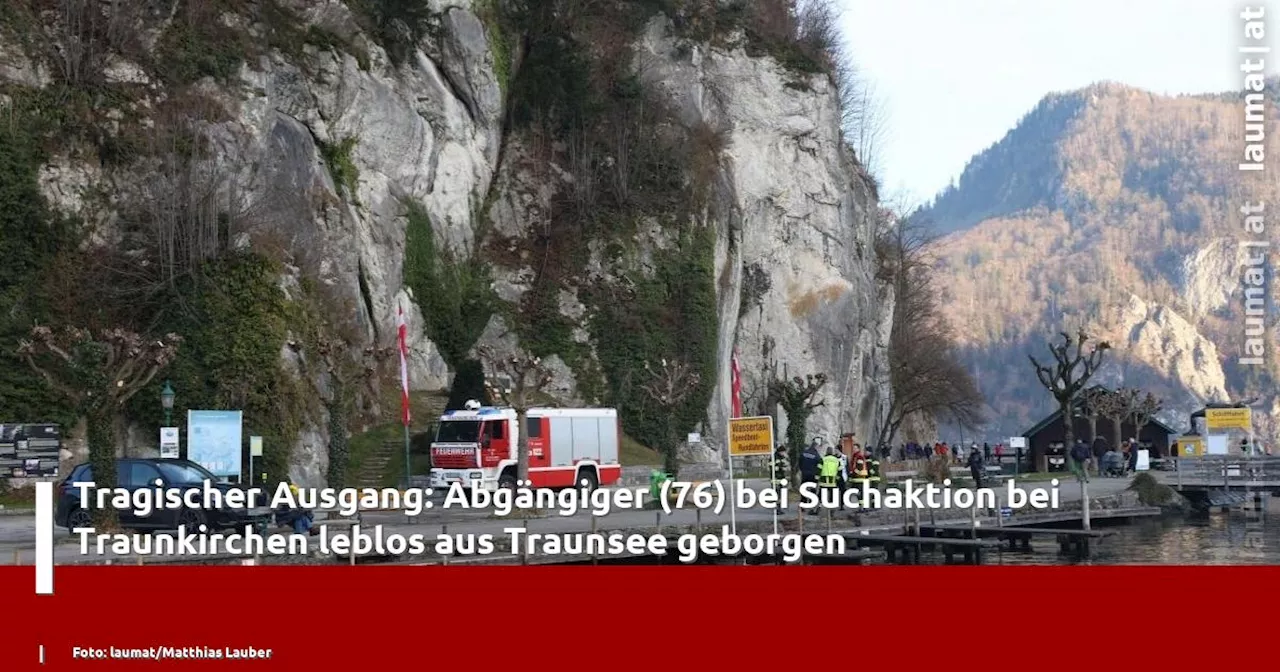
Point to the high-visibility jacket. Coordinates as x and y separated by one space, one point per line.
873 471
829 472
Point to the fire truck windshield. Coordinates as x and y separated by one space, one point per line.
458 431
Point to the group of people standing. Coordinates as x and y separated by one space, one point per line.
831 467
957 453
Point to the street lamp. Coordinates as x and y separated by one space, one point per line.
166 400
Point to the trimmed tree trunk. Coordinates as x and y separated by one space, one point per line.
102 460
1068 429
1084 504
522 446
671 449
1116 426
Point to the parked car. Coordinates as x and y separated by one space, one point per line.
135 473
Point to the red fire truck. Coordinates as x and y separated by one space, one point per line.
567 447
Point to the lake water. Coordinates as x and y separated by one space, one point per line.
1205 539
1193 539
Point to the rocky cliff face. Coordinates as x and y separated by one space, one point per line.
798 292
333 151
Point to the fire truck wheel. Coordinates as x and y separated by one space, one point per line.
587 479
507 480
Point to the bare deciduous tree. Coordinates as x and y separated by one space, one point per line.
98 373
925 376
863 119
798 398
1093 400
669 386
1141 408
1114 406
1067 375
515 381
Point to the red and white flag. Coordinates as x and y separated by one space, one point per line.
404 367
736 385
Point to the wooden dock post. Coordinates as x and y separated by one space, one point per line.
973 520
524 548
1084 499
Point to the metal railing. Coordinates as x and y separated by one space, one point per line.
1227 470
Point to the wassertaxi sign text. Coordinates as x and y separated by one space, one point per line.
751 436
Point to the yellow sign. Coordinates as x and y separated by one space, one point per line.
1190 446
751 436
1227 418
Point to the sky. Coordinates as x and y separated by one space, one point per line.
953 76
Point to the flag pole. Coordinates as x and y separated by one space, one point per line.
407 469
404 392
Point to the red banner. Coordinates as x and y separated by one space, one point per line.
403 331
748 618
736 384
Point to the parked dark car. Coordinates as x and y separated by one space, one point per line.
135 473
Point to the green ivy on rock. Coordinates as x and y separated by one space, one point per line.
235 319
455 295
669 316
31 236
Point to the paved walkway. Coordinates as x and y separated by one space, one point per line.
17 532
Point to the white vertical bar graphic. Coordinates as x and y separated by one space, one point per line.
44 538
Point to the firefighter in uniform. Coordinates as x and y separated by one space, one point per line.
860 472
781 469
873 472
829 476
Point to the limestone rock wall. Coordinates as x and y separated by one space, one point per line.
794 209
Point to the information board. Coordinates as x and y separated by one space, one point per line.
169 448
214 441
29 450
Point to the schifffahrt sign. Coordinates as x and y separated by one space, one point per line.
29 451
751 436
1228 418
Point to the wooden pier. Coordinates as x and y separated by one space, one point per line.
855 556
908 548
1069 541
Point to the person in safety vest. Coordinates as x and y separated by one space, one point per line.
830 474
873 470
842 478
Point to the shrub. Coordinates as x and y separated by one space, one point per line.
455 295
